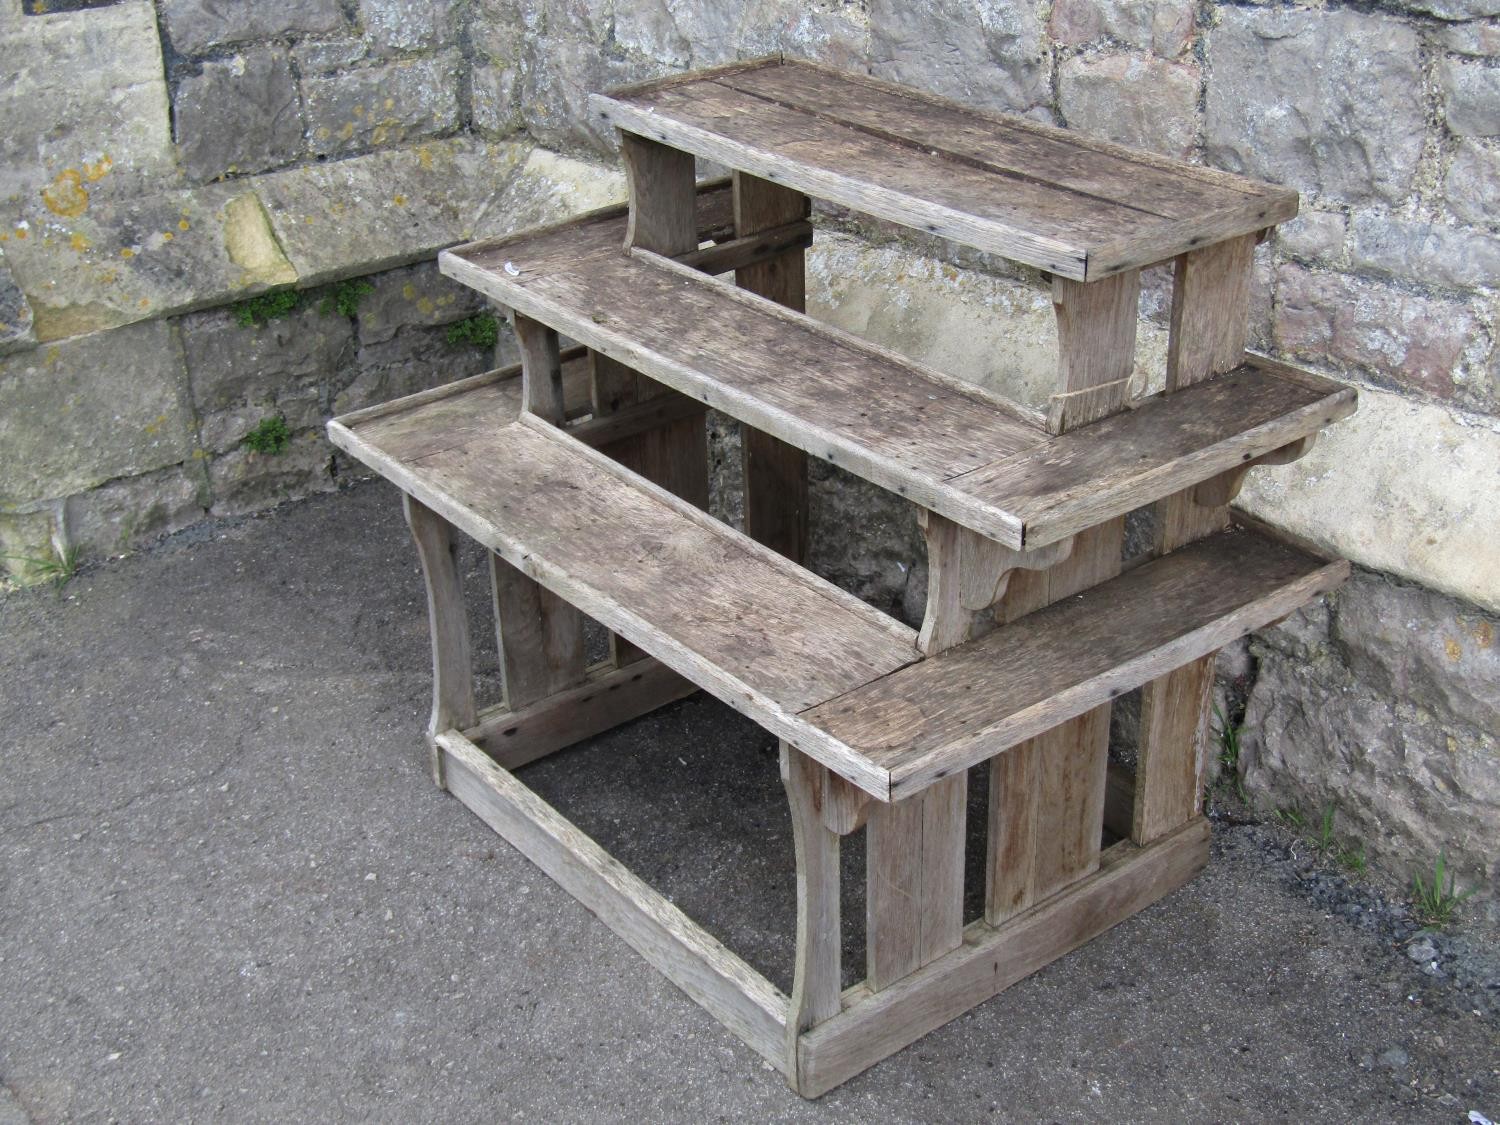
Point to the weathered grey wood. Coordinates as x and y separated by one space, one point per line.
1222 489
751 250
663 196
540 637
608 697
1210 318
874 1025
816 977
926 721
776 509
1096 327
448 622
997 183
758 632
732 992
541 370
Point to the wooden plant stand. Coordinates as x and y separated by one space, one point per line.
586 477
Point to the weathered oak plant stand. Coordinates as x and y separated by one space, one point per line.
585 477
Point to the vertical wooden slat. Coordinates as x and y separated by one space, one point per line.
1210 320
540 637
816 976
541 370
663 196
776 506
452 663
1046 810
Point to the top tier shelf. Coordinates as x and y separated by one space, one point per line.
1082 209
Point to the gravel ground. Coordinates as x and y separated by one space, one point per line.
227 893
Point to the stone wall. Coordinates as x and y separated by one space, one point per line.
161 162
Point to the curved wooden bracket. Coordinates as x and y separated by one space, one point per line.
1220 490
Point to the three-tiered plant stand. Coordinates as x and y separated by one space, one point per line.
586 478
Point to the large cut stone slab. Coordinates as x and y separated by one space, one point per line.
240 114
383 105
84 411
196 25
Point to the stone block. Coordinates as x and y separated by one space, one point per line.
1134 100
415 297
15 314
1403 486
1418 341
132 512
385 105
410 360
243 481
319 56
196 25
492 100
1479 40
1472 186
84 104
1425 252
1327 101
1453 9
1314 236
80 412
555 81
986 54
1356 714
240 114
1164 27
1471 97
684 35
409 25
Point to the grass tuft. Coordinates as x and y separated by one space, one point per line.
1435 903
270 437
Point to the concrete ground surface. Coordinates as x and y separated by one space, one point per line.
229 893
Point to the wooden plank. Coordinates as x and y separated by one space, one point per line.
751 250
926 722
1096 327
1210 321
539 636
448 623
875 1025
1168 443
541 370
608 697
692 959
816 980
663 196
1071 205
776 506
755 630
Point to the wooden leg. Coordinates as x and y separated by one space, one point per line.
915 881
776 505
815 980
541 370
1210 314
663 196
452 662
540 637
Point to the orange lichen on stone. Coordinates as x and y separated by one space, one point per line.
66 195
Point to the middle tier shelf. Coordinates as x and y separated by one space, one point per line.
942 443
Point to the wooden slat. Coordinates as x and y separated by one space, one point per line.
776 509
541 370
873 1026
1131 459
663 196
816 977
540 637
1074 206
448 623
758 632
732 992
926 721
608 697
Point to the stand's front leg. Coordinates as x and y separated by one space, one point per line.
452 665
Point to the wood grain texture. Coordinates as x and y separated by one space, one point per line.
541 370
1096 328
816 974
1052 199
732 992
663 196
874 1025
540 637
776 507
448 623
607 697
925 722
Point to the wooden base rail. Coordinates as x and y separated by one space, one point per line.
844 1033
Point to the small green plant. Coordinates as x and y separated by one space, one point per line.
1434 902
1325 841
1353 858
481 330
267 306
1292 818
344 298
270 436
58 569
1229 751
